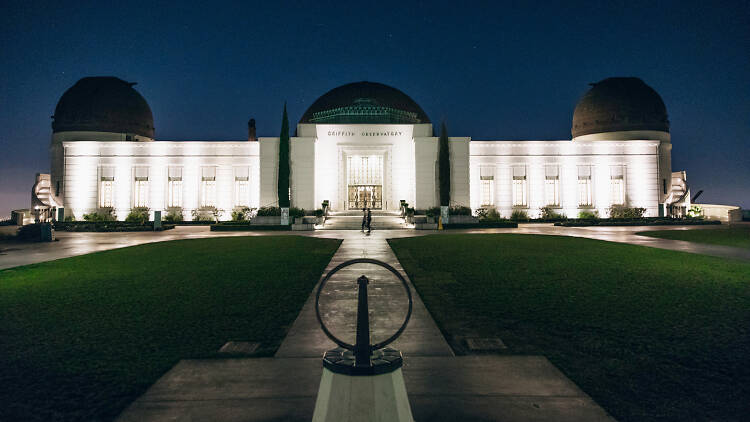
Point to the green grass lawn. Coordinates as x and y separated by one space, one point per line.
650 334
81 338
739 237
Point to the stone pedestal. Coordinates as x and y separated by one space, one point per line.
445 214
284 216
350 398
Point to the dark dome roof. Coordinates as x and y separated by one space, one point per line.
365 102
103 104
619 104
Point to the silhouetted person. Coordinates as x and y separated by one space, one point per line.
364 218
369 220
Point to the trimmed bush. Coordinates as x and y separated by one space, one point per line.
209 213
319 212
458 210
174 215
138 215
621 211
490 216
295 212
269 212
549 213
588 215
242 213
102 214
519 215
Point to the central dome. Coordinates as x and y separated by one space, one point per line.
365 102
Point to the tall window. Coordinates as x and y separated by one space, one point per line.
140 188
487 185
208 186
584 186
519 186
106 187
552 185
617 185
174 187
242 186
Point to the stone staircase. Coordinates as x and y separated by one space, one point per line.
352 220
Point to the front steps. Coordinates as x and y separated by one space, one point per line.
352 220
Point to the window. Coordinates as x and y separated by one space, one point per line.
208 186
584 186
174 187
487 185
617 185
552 185
140 188
242 186
519 186
106 187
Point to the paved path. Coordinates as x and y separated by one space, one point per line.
387 301
13 254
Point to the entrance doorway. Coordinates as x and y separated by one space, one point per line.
364 182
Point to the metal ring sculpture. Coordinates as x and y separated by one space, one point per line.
375 346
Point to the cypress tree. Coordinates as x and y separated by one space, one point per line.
444 167
283 184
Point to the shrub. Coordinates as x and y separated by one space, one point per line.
432 212
588 215
174 215
459 210
102 214
30 232
410 212
491 216
241 213
621 211
319 212
138 215
519 215
269 211
295 212
209 213
549 213
695 212
69 219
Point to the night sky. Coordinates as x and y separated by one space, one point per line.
492 72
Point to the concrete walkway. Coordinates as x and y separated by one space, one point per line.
13 254
441 386
387 300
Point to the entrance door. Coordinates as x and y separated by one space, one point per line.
364 182
365 196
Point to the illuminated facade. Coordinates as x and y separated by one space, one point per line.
362 144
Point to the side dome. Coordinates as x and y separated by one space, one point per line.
364 102
619 104
103 104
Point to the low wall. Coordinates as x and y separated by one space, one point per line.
724 213
266 220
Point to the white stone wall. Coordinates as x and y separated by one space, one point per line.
639 158
85 159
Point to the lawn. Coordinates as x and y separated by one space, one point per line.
738 237
650 334
82 337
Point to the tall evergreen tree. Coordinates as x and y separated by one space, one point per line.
444 165
284 162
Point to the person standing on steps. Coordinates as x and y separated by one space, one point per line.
369 220
364 218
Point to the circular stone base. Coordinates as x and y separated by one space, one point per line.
382 361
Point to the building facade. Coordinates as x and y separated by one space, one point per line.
361 144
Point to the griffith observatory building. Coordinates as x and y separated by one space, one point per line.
360 143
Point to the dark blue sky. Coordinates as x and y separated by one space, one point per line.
510 71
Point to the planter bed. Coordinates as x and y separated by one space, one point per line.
644 222
247 227
480 225
108 226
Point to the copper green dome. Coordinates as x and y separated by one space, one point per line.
619 104
365 102
103 104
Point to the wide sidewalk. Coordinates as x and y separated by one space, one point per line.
13 254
